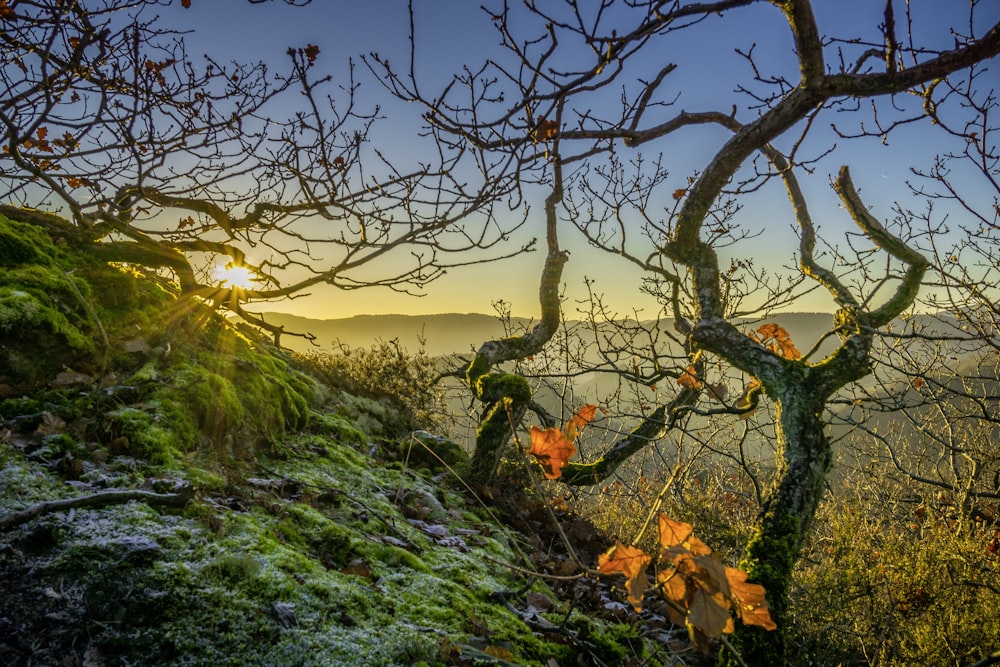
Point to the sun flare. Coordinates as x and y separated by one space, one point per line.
235 276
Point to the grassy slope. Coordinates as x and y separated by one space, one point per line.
307 541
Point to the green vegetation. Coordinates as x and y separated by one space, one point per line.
315 535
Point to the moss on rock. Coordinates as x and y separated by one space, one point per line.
299 548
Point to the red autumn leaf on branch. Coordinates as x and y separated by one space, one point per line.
689 379
777 339
552 450
677 540
697 581
632 562
679 194
749 600
583 416
546 130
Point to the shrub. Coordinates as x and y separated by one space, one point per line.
386 370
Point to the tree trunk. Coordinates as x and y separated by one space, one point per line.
804 460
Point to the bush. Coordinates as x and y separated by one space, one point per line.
879 589
386 370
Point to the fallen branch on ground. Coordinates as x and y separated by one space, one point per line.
112 497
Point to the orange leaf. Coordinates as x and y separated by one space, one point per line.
918 383
186 4
677 542
782 340
678 194
710 612
583 416
552 450
673 533
749 600
630 561
547 130
688 379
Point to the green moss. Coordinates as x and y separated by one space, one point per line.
423 449
212 399
496 386
479 366
232 568
338 427
22 314
769 560
44 319
19 244
200 401
145 436
389 557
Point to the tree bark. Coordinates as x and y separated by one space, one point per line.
805 457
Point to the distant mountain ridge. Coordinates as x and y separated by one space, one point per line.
462 333
447 333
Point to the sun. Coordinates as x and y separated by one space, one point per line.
235 276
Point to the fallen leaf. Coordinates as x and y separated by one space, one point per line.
500 652
358 567
50 424
137 346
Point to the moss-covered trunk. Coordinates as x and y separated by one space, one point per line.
804 460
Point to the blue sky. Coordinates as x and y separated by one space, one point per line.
451 33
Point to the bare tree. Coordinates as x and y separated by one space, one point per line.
582 89
176 163
938 373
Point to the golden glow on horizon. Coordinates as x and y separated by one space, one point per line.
235 276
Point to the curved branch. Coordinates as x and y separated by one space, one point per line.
906 293
652 428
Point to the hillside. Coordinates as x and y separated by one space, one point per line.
175 491
454 333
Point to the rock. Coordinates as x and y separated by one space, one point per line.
424 449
